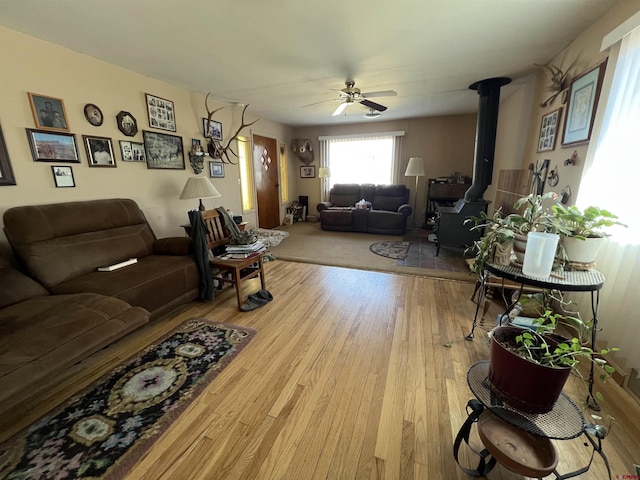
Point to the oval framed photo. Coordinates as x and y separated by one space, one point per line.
93 114
127 123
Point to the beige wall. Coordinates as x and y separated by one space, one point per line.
31 65
446 144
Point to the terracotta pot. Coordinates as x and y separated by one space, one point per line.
520 383
582 251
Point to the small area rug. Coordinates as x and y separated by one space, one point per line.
396 250
103 431
270 238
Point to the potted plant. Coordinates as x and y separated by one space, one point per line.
585 232
540 356
512 229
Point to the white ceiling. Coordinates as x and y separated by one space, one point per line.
280 55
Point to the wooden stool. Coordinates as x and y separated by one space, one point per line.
236 271
521 452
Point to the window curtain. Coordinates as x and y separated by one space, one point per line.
391 174
610 181
325 184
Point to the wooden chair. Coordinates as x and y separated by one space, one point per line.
234 271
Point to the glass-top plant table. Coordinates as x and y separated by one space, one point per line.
569 281
565 421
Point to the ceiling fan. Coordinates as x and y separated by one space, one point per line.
352 94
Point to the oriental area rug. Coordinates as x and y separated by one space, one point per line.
103 431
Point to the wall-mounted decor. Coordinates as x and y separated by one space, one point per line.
127 123
308 172
63 176
99 151
132 151
93 114
549 131
216 170
581 108
48 112
53 147
163 150
161 113
6 172
215 129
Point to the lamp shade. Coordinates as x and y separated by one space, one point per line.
198 187
415 168
323 172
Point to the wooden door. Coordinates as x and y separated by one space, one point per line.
265 168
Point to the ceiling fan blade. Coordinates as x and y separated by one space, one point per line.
323 101
373 105
385 93
340 108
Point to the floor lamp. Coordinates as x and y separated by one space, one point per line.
415 168
324 173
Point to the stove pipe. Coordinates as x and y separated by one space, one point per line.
489 93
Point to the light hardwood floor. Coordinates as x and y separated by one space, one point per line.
352 375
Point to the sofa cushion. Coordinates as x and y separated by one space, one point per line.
58 242
43 336
16 287
151 283
390 197
380 221
345 194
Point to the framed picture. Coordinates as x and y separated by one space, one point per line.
127 123
161 113
581 107
63 176
132 151
549 131
308 172
53 147
99 151
93 114
48 112
6 172
215 130
163 150
216 170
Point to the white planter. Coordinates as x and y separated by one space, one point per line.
582 251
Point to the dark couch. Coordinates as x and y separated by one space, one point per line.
61 309
387 209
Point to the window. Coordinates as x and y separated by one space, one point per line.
246 174
284 175
361 158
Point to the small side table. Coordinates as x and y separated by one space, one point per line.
564 422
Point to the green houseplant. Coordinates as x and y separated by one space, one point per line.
585 231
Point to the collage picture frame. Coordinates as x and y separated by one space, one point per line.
549 130
161 113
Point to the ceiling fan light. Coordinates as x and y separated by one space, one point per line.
372 114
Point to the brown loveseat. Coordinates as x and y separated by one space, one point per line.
386 213
62 245
64 309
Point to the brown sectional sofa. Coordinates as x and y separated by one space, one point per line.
387 212
59 309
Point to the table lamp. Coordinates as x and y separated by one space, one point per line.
199 187
415 168
324 173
